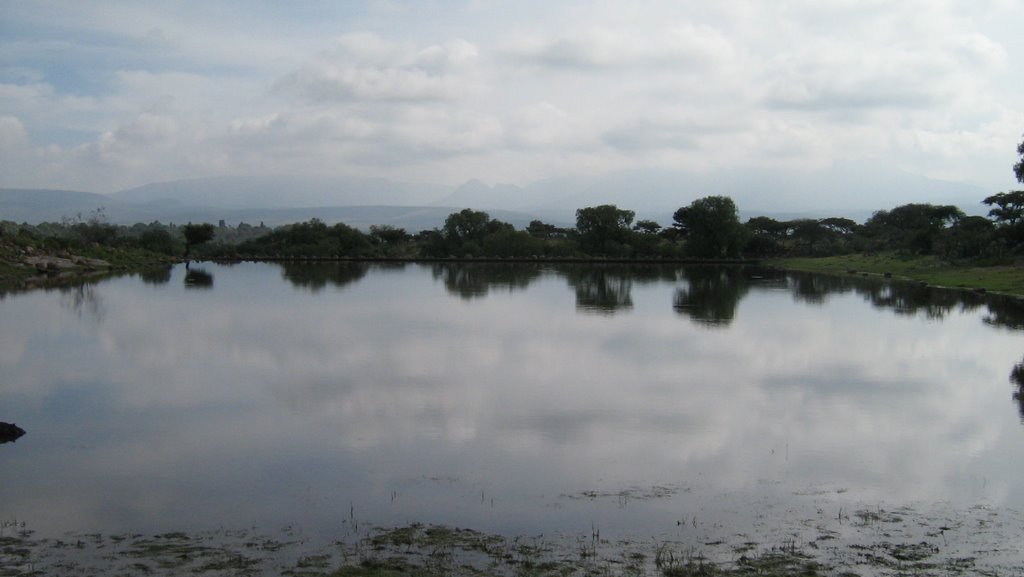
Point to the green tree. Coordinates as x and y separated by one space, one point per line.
196 234
604 230
158 240
465 226
539 229
1018 169
1009 207
712 228
95 229
347 241
1008 213
839 225
645 226
765 236
767 227
910 227
505 241
387 234
389 240
808 235
971 237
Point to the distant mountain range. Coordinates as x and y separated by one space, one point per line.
853 191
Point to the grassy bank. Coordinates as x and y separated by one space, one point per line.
1000 278
29 262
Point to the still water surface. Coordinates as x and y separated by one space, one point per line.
516 399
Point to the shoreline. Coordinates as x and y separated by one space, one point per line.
45 270
875 539
998 279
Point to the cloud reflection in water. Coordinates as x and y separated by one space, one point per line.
260 401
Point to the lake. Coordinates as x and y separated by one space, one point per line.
702 405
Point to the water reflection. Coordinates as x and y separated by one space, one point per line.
1007 312
82 299
902 298
601 289
711 294
156 276
316 276
708 295
196 277
475 280
1017 380
814 289
414 395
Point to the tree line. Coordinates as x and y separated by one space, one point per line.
708 228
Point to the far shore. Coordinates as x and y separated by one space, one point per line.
1004 278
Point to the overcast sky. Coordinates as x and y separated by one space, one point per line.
101 96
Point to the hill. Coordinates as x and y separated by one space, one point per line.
39 205
281 191
854 191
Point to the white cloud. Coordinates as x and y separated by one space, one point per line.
601 47
12 132
368 68
499 93
829 76
981 51
541 125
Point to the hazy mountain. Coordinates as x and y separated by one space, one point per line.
412 218
283 192
40 205
853 191
837 191
477 195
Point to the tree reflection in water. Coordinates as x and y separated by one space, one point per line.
317 275
156 276
197 278
474 280
712 294
1004 311
83 300
1017 379
707 295
600 290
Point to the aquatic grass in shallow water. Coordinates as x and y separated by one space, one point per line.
873 540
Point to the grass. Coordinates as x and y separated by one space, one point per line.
999 278
441 551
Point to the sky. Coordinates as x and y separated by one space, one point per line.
103 96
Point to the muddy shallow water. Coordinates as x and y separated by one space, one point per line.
724 411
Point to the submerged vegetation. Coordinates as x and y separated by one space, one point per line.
871 540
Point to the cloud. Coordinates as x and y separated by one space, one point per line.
40 104
604 47
506 386
503 94
364 67
832 77
12 132
979 50
540 125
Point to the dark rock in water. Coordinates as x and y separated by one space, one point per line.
9 432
